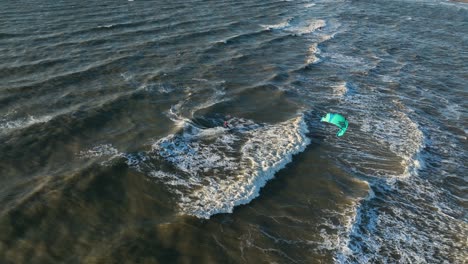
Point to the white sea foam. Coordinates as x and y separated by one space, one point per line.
340 89
228 179
178 111
390 79
173 115
150 86
306 27
401 135
355 64
281 25
216 168
126 76
417 232
107 152
452 111
8 125
101 150
408 217
107 26
390 153
192 156
312 54
171 179
297 29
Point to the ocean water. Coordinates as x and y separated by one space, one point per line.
113 149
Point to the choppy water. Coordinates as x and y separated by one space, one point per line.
112 146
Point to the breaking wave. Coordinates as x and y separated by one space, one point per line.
217 168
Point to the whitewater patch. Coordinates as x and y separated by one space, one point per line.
212 170
7 124
307 27
340 90
405 224
309 5
312 53
393 139
230 170
385 152
381 216
107 153
337 224
356 64
405 218
401 135
297 28
101 150
281 25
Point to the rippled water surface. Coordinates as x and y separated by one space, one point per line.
113 147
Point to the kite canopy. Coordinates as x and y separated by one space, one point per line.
338 120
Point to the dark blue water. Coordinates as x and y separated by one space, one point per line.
113 148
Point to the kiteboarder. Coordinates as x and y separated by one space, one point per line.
226 123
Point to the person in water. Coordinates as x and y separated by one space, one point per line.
226 123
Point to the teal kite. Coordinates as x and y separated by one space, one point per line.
338 120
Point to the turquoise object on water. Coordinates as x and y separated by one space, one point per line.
338 120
